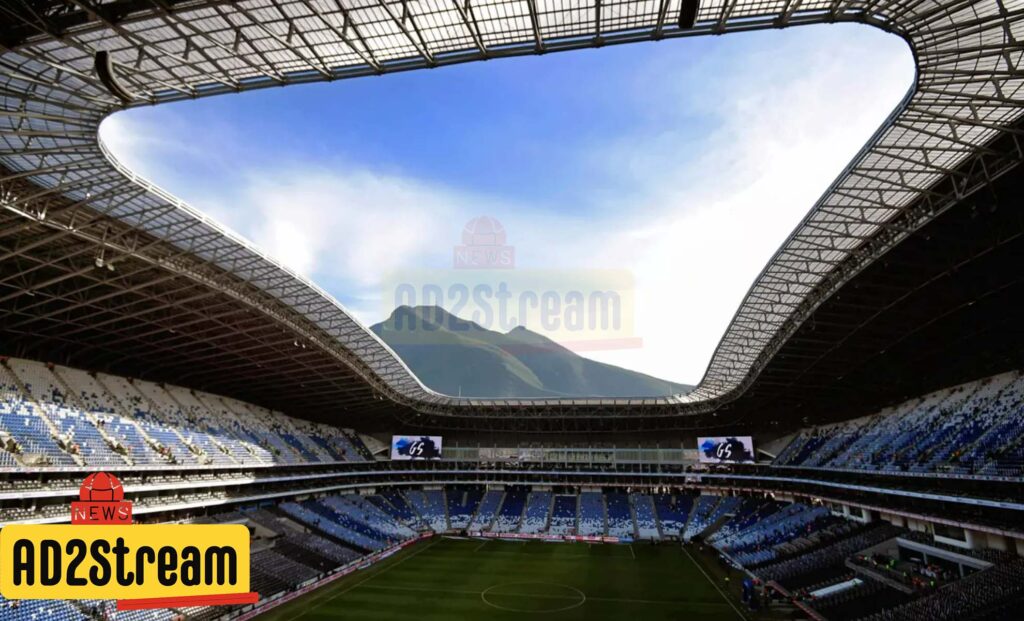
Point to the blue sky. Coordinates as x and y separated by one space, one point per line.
683 163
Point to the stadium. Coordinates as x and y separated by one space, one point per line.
855 449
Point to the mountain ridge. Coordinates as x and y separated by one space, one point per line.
458 357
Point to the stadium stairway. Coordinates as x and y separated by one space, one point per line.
510 516
619 518
657 522
487 511
126 414
174 445
497 508
632 517
604 507
71 395
392 501
551 511
202 455
593 518
702 507
179 449
576 526
248 451
462 506
564 510
431 506
34 381
672 513
537 513
9 378
645 517
287 451
362 445
77 432
475 513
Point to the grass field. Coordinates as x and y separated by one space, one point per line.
467 580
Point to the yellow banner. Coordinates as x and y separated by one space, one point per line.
49 561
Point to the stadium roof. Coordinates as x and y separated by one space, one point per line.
102 270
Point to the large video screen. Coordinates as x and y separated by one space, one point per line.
415 447
726 449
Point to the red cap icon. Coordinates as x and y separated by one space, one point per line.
101 487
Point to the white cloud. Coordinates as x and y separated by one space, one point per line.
355 225
695 221
697 235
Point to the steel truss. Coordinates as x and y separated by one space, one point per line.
69 206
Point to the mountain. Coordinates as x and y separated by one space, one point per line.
458 357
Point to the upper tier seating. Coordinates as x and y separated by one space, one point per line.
27 439
38 610
972 429
59 416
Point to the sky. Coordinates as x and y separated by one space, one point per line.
669 172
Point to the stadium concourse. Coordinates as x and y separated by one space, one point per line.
873 372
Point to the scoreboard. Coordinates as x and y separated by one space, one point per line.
415 447
726 450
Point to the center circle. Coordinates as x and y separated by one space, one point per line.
538 597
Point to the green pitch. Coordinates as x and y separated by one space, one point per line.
464 580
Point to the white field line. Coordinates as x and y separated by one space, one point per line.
620 600
361 582
720 592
